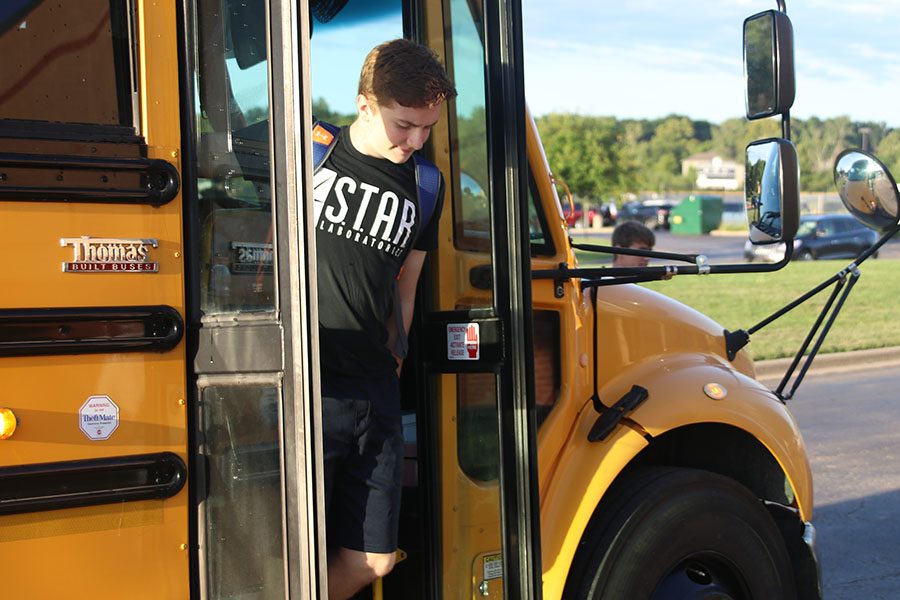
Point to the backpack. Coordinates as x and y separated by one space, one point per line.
428 183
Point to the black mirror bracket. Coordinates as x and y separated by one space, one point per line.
734 341
559 284
610 417
703 267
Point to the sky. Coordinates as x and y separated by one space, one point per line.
651 58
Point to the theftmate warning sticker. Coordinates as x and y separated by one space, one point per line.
98 417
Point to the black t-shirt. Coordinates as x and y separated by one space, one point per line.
367 220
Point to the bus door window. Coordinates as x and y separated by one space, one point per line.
546 323
337 50
240 513
470 459
232 137
241 516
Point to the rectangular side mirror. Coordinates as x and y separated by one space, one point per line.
771 191
768 64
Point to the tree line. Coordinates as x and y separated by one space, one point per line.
604 158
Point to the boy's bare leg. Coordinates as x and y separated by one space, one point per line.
351 570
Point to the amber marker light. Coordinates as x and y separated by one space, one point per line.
716 391
8 423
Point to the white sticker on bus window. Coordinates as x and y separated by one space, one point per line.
493 567
463 341
98 417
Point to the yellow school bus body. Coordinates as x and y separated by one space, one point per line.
643 337
136 549
140 549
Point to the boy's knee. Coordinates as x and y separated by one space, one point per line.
381 564
365 567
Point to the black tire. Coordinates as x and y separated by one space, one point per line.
806 255
670 533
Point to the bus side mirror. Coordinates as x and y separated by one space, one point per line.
867 189
768 64
771 191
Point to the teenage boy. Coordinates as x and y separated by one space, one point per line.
372 236
635 236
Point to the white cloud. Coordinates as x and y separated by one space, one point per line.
872 8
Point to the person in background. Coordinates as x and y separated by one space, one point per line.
635 236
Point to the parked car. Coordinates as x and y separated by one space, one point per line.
820 236
652 213
573 217
609 212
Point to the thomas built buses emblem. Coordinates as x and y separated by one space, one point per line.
108 255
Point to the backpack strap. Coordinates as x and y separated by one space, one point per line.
324 137
428 184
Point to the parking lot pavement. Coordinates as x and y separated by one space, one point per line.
720 248
848 420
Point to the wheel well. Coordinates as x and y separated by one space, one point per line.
722 449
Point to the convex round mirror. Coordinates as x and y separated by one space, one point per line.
867 189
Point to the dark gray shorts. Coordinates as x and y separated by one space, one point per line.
363 442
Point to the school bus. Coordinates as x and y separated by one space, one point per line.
568 435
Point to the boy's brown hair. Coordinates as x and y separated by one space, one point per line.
405 72
627 233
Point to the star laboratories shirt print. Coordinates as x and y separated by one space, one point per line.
367 220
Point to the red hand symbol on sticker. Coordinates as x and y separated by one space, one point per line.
472 340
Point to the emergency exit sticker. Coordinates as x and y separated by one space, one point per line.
98 417
463 341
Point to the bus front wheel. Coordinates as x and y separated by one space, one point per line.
670 533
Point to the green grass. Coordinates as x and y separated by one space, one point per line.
592 259
869 318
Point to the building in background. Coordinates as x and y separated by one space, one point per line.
714 172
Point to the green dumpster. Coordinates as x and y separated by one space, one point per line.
696 214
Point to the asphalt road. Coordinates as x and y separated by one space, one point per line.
720 249
851 424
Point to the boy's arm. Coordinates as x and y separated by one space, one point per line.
406 288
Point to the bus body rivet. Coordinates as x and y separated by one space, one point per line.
181 402
182 547
178 255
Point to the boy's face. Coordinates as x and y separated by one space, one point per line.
394 131
624 260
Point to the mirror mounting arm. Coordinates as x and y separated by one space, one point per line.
832 315
688 258
874 247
